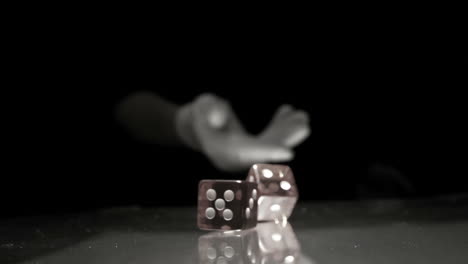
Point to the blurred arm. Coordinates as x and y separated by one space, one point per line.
151 119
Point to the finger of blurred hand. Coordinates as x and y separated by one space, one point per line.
297 136
287 113
288 130
283 111
299 128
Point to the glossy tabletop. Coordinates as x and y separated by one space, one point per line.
390 231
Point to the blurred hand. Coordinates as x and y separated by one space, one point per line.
289 127
210 125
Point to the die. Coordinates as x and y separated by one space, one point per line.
227 205
229 247
277 190
278 243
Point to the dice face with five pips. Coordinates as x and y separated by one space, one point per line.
229 247
227 205
277 190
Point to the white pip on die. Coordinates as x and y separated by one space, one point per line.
277 190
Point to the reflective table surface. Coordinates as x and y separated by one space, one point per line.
385 231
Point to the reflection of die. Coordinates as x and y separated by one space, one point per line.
278 243
229 247
227 205
277 189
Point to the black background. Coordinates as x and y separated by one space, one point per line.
374 95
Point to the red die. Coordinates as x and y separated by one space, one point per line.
227 205
277 188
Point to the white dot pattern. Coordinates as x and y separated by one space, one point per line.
275 208
211 253
254 194
289 259
220 204
276 237
210 213
228 215
247 213
267 173
285 185
251 203
229 195
229 252
211 194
